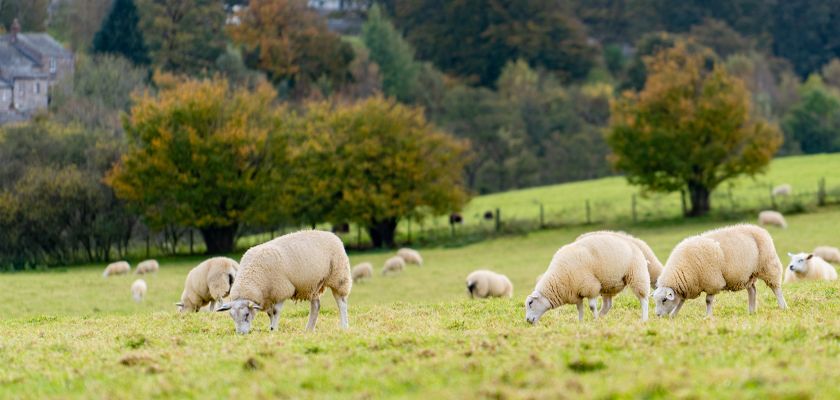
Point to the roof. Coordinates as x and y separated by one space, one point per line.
44 44
4 84
22 59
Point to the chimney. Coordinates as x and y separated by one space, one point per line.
15 30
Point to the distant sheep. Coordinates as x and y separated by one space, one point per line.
809 267
297 266
483 284
654 266
730 258
147 267
828 253
769 217
595 265
410 256
208 283
393 264
362 271
116 268
782 190
138 290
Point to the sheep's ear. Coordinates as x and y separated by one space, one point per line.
809 256
223 307
791 254
179 304
670 295
255 306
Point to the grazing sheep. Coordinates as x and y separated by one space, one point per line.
828 253
595 265
393 264
729 258
209 282
654 266
410 256
147 267
483 284
362 271
809 267
782 190
116 268
538 278
297 266
769 217
138 290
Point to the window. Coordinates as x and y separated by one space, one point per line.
37 87
52 65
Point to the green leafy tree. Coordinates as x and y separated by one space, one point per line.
691 128
76 22
393 54
814 122
120 33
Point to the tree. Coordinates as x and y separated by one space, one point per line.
691 128
393 54
76 22
812 46
31 14
291 43
197 157
814 122
121 35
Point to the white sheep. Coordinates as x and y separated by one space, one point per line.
393 264
769 217
595 265
147 267
208 283
730 258
297 266
116 268
809 267
782 190
828 253
138 290
362 271
410 256
654 266
483 284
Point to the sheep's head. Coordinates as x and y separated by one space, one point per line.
666 300
799 262
535 306
242 312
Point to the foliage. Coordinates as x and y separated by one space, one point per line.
76 22
31 14
719 37
814 122
690 128
121 35
393 54
808 49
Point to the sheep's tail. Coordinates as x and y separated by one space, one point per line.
470 288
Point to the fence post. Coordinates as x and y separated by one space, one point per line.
191 241
588 213
633 207
498 220
821 193
542 216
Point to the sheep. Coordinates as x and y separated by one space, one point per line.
483 284
828 253
209 282
729 258
595 265
147 267
782 190
809 267
116 268
654 266
768 217
393 264
410 256
538 278
138 290
362 271
297 266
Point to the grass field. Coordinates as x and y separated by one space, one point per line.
72 334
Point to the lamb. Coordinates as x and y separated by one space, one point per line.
654 266
599 264
209 282
138 290
729 258
809 267
828 253
769 217
410 256
782 190
116 268
362 271
297 266
147 267
393 264
483 284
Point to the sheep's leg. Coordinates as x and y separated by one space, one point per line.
341 301
643 300
605 308
314 309
751 295
274 315
580 310
780 298
593 305
710 301
677 309
212 306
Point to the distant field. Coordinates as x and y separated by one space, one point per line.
72 334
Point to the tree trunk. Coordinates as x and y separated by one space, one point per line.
219 239
382 232
700 203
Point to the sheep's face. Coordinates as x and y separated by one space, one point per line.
242 312
665 299
799 262
535 306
